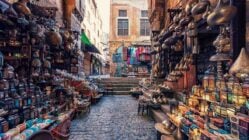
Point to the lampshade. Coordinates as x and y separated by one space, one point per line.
241 64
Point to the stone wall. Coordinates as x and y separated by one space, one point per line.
87 64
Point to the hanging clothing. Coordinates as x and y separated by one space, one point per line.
125 53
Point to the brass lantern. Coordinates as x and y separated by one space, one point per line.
220 84
203 107
245 88
239 100
196 90
209 81
230 83
237 89
224 95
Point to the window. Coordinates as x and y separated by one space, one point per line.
88 15
123 27
88 34
144 27
122 13
144 13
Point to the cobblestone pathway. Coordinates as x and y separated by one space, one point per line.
113 118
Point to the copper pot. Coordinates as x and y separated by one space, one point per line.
21 7
172 28
176 19
207 13
189 7
170 41
47 64
66 35
36 63
68 47
178 46
53 38
200 7
223 13
8 72
185 21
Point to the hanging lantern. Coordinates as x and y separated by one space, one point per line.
241 64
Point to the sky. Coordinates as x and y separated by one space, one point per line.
104 9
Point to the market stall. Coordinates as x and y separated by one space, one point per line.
203 94
39 72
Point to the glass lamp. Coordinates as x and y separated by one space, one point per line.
245 88
220 84
230 83
224 96
209 81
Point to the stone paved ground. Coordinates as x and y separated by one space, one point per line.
113 118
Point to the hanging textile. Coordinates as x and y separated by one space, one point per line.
125 55
116 58
133 58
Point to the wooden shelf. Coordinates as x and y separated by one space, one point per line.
215 102
15 58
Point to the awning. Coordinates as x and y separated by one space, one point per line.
92 48
87 45
85 39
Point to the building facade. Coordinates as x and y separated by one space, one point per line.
129 25
92 25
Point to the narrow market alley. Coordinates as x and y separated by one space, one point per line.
113 118
124 69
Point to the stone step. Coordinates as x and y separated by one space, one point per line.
118 85
122 88
118 82
119 93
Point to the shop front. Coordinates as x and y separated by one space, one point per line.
133 61
41 82
198 89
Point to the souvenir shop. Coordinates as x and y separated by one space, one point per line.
41 86
133 61
199 89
